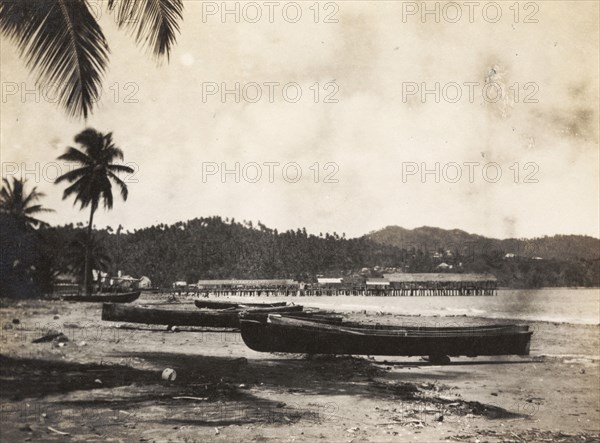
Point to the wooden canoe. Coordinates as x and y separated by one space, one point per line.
224 304
301 336
228 318
124 297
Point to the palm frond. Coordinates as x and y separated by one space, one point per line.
6 193
63 44
35 222
153 23
107 195
76 156
73 175
91 140
121 184
112 152
78 188
33 195
120 168
36 209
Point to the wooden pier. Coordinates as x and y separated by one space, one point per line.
391 285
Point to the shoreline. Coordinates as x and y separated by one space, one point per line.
105 383
306 301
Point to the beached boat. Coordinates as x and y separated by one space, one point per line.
226 318
302 336
224 304
124 297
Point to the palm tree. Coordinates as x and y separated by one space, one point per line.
83 247
92 181
16 202
19 242
62 42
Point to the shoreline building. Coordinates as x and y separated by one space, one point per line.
390 285
266 287
444 284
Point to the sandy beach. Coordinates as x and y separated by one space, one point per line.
104 384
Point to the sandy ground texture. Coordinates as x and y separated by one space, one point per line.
103 383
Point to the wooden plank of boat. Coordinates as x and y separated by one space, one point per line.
274 309
314 316
374 329
126 297
292 335
223 304
398 330
227 318
415 327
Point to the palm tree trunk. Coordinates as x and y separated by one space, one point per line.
87 281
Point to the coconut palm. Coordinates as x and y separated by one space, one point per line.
63 44
23 206
83 246
91 183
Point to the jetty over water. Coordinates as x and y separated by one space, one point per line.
390 285
256 287
442 284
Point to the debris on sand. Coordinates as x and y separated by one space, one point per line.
344 367
169 374
405 390
539 435
56 431
55 336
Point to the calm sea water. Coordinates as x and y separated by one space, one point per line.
579 306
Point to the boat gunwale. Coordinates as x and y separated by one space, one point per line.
306 324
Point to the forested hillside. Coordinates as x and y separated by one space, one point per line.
558 247
221 248
208 248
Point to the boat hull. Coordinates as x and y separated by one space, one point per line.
207 318
127 297
287 335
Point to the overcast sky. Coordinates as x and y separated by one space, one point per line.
370 147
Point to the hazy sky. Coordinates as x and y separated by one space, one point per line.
374 141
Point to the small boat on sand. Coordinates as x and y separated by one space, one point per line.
123 297
226 318
224 304
303 336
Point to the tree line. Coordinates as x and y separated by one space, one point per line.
216 248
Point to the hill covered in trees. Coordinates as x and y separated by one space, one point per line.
558 247
212 247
